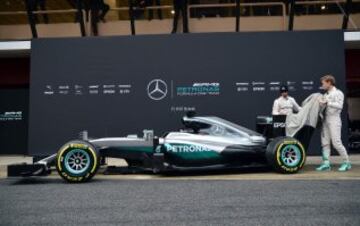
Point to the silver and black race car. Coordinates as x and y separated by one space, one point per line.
203 142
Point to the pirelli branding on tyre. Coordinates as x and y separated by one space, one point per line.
77 161
286 154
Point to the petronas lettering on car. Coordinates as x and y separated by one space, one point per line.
186 148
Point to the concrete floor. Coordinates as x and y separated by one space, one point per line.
180 202
248 197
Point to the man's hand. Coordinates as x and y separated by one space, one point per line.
322 101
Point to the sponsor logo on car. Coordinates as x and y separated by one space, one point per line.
181 148
279 125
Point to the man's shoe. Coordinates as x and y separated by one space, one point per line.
324 167
345 167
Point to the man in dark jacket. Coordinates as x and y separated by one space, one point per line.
41 4
180 6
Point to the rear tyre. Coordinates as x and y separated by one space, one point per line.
77 161
285 155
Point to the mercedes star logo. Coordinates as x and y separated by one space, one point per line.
157 89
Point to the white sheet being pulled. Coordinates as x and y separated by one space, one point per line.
310 112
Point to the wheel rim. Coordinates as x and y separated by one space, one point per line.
77 161
291 155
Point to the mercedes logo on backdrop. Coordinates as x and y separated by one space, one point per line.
157 89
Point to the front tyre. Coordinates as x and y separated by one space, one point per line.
77 161
285 155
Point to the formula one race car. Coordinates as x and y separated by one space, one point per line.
203 142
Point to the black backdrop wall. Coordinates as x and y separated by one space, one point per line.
113 86
14 105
